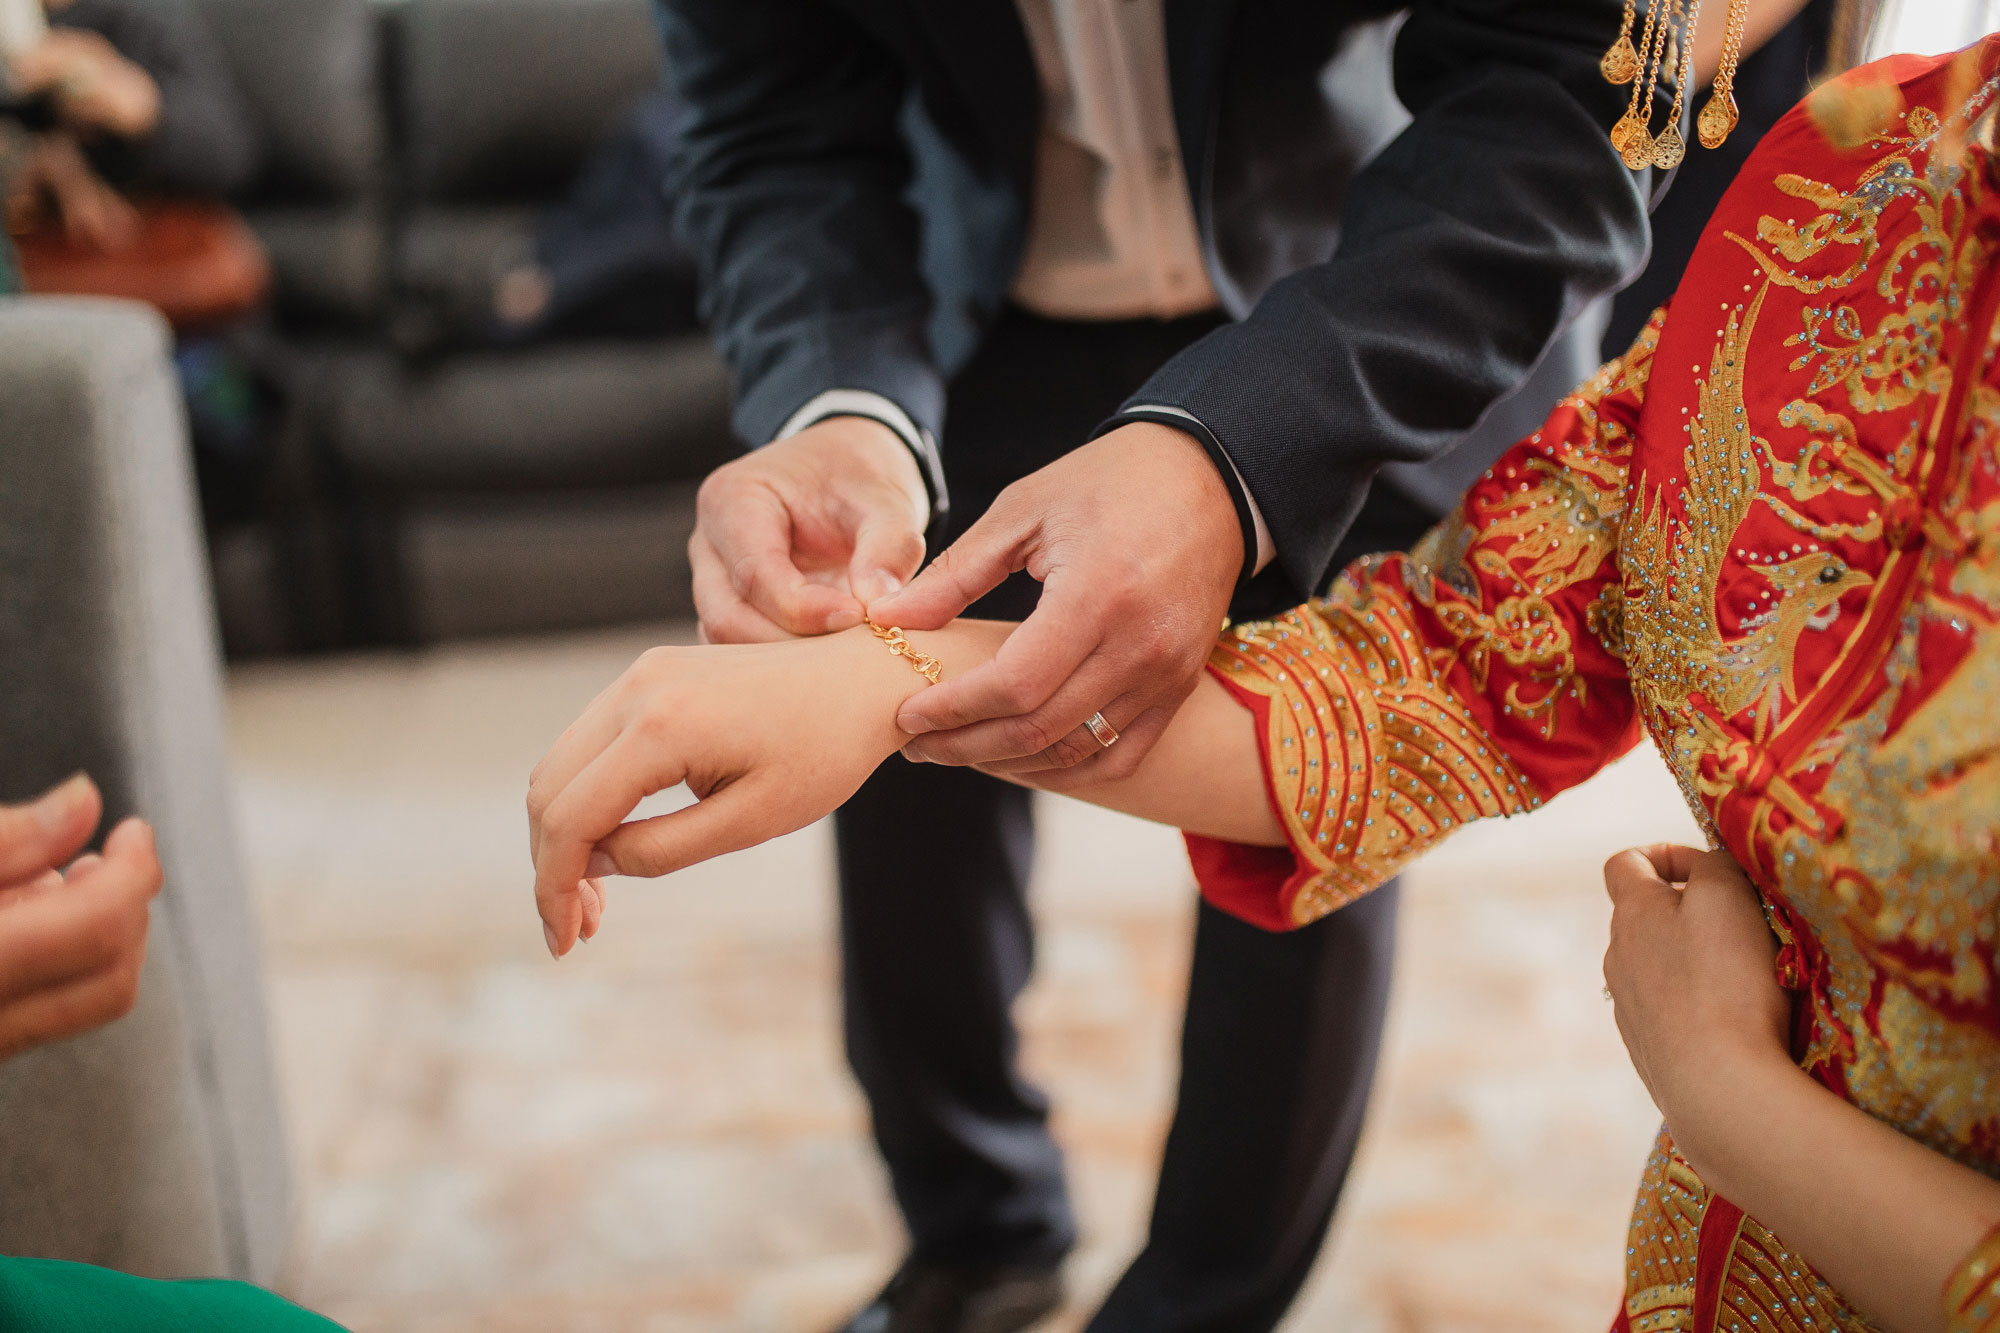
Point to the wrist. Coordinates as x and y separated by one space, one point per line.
1162 426
1705 1108
883 681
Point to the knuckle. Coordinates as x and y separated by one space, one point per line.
1033 735
658 658
641 855
745 575
715 488
1159 647
655 726
558 822
1017 694
1063 752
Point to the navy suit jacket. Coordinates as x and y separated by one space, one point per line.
1401 218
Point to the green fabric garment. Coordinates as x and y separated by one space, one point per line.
47 1296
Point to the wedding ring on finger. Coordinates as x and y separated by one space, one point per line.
1105 734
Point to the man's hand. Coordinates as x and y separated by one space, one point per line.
71 943
798 536
1135 541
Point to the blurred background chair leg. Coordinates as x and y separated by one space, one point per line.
154 1146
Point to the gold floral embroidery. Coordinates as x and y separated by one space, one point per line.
1605 617
1876 836
1372 751
1526 632
1978 575
1372 756
1903 914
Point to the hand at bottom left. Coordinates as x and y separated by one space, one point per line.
72 932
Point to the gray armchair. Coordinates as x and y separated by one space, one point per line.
154 1145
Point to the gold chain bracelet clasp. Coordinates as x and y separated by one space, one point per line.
921 662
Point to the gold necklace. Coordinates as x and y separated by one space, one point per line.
1718 118
1635 144
1670 148
1666 46
1621 62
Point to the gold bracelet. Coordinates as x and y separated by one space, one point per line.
921 662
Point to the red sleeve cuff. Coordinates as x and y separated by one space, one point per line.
1253 884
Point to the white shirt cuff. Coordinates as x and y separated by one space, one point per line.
1267 550
865 403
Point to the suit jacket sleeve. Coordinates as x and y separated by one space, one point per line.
1466 246
1478 675
791 173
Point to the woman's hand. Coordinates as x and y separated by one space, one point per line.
1690 970
94 87
769 737
1882 1217
72 943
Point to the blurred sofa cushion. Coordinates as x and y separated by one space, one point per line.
567 415
310 70
327 263
502 99
445 265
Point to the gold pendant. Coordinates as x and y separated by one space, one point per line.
1637 147
1669 149
1717 119
1621 132
1621 63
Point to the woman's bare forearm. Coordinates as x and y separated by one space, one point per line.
1883 1218
1205 775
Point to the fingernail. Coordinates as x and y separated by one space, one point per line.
912 725
53 810
549 934
599 865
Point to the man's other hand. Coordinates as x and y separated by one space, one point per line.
72 941
1135 540
798 536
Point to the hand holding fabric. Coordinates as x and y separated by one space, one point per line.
1690 969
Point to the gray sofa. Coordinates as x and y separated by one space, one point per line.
154 1145
468 489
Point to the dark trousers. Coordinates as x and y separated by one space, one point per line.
1279 1042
